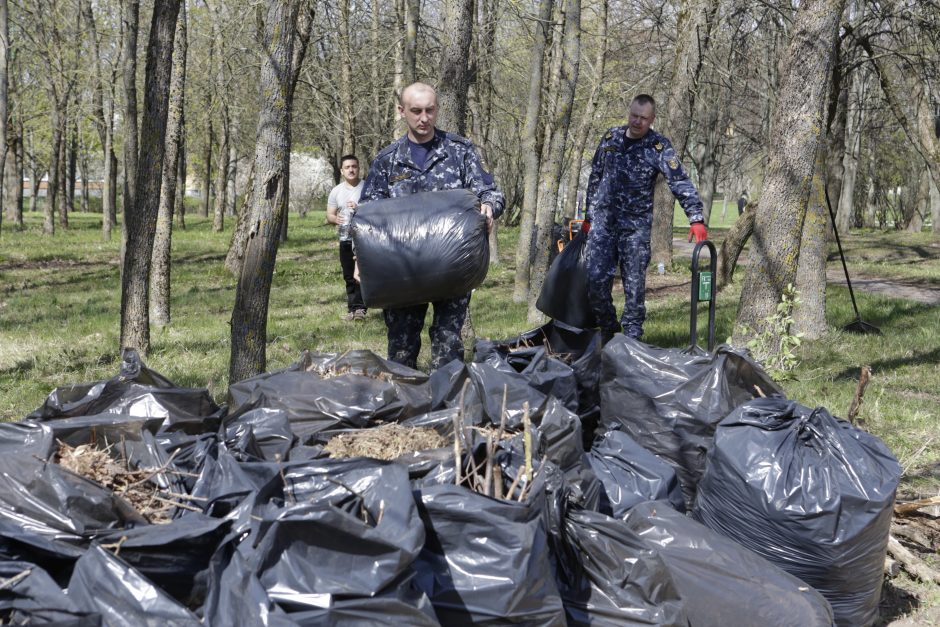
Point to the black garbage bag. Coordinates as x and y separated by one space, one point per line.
262 433
670 402
562 443
564 294
136 391
609 576
486 560
236 597
550 376
106 584
489 383
722 583
327 392
49 515
29 596
27 438
345 541
420 248
578 348
630 474
811 493
174 556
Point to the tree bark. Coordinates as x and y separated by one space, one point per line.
693 27
732 246
4 93
587 116
220 201
845 215
141 220
410 43
798 123
345 81
130 19
454 83
180 211
270 197
530 152
552 167
160 313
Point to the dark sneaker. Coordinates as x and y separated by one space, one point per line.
359 314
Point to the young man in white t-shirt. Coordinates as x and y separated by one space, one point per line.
340 208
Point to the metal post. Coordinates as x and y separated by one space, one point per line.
703 289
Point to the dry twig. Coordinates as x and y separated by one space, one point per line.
863 378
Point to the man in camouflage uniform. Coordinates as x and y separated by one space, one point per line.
620 214
428 159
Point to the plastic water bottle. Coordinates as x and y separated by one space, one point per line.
660 268
346 214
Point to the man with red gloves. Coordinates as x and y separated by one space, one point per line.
620 214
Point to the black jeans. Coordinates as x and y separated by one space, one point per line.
353 293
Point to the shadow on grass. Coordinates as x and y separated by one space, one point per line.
885 365
895 603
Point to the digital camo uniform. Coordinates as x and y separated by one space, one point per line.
620 209
452 163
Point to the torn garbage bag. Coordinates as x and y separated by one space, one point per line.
420 248
722 583
670 402
811 493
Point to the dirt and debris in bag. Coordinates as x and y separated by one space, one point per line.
135 486
387 442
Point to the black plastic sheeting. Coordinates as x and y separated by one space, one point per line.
564 294
823 514
720 582
670 401
420 248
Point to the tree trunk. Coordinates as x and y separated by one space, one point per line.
130 18
934 207
732 246
4 94
410 43
530 153
587 117
71 168
853 142
693 26
551 178
798 123
270 197
377 89
207 179
141 220
454 83
221 170
160 273
345 81
180 211
62 172
52 190
236 247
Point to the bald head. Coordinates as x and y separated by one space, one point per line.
417 106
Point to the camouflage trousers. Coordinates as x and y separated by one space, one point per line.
404 331
628 247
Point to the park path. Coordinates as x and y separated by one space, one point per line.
893 288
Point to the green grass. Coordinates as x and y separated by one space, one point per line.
60 307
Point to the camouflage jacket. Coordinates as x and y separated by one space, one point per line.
452 163
623 177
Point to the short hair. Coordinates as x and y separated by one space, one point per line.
417 85
645 99
346 158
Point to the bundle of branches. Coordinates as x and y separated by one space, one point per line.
389 441
486 476
136 486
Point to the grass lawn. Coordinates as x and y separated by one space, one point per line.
60 309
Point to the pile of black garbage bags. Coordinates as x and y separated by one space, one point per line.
668 489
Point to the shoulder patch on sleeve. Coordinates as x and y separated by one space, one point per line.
673 163
658 146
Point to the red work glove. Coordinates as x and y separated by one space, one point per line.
585 226
698 231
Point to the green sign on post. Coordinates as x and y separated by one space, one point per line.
705 286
